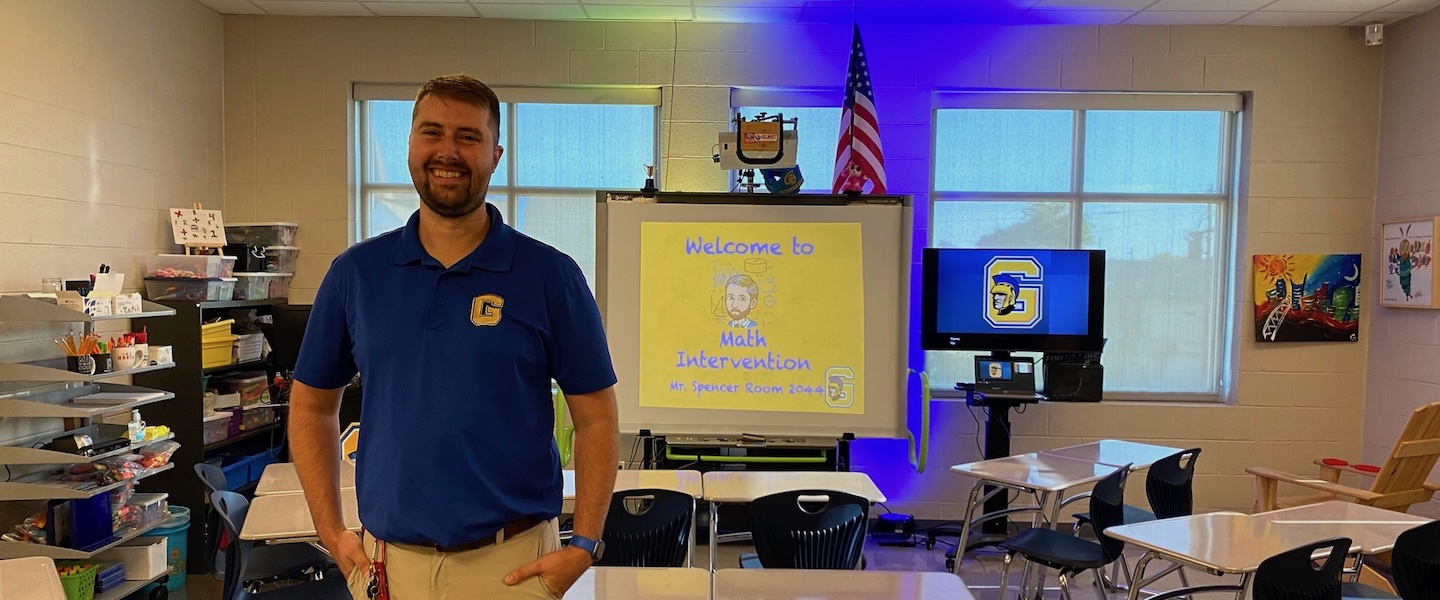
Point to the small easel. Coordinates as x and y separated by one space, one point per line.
196 228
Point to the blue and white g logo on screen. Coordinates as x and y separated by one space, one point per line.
1013 292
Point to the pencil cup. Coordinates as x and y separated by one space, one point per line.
102 362
84 365
124 358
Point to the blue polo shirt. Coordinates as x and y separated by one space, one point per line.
457 420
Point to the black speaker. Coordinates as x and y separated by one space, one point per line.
1073 381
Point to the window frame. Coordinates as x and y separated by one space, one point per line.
1226 200
511 98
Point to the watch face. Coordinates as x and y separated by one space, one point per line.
599 550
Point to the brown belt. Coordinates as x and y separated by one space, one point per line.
510 530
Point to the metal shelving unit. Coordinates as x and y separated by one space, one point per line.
39 391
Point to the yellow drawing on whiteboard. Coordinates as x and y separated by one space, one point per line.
752 316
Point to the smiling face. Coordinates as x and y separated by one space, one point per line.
453 152
739 301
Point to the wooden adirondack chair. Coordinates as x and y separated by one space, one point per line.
1399 483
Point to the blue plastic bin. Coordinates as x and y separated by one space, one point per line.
264 459
237 473
176 531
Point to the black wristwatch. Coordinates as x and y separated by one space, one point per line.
596 548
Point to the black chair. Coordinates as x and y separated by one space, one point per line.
1291 575
1414 567
824 531
250 566
214 480
1170 488
1067 554
647 528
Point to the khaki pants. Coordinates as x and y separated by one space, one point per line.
420 573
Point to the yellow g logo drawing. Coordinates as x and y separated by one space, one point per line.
485 311
1013 289
839 387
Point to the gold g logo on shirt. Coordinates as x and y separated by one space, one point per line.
485 310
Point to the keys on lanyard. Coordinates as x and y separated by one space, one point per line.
379 588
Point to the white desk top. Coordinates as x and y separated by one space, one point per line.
685 482
1236 543
746 486
631 583
1372 529
286 516
785 584
280 478
1116 453
1038 471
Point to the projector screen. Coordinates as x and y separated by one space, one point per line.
769 315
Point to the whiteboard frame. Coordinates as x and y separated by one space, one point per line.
887 308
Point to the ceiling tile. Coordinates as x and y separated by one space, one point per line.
684 3
1296 19
1324 5
1077 17
1381 17
421 9
1158 17
312 8
531 11
485 2
738 14
616 12
1208 5
1130 5
424 1
1415 6
233 7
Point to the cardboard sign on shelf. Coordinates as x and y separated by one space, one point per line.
197 228
350 443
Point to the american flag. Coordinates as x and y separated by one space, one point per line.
859 127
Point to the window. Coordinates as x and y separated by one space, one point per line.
560 147
817 127
1152 187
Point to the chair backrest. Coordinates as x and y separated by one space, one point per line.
1291 575
1107 509
232 508
1415 563
1414 454
815 534
647 528
212 477
1170 484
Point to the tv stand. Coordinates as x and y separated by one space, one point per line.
997 445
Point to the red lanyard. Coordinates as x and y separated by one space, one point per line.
379 586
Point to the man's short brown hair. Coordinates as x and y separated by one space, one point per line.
463 88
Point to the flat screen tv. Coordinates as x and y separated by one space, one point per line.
1013 300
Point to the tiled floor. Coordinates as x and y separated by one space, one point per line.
980 571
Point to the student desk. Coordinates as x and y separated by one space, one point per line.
280 478
1115 453
637 583
285 518
1229 543
746 486
785 584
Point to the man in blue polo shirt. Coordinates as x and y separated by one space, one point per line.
458 323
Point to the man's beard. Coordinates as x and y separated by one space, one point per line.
471 200
736 315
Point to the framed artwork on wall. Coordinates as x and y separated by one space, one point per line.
1307 297
1408 275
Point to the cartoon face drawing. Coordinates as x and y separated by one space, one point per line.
1003 293
834 388
742 294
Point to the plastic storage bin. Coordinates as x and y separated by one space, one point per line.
189 289
259 461
143 557
218 353
78 585
217 427
259 286
261 234
253 387
254 417
280 259
249 346
151 507
176 533
182 266
237 473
